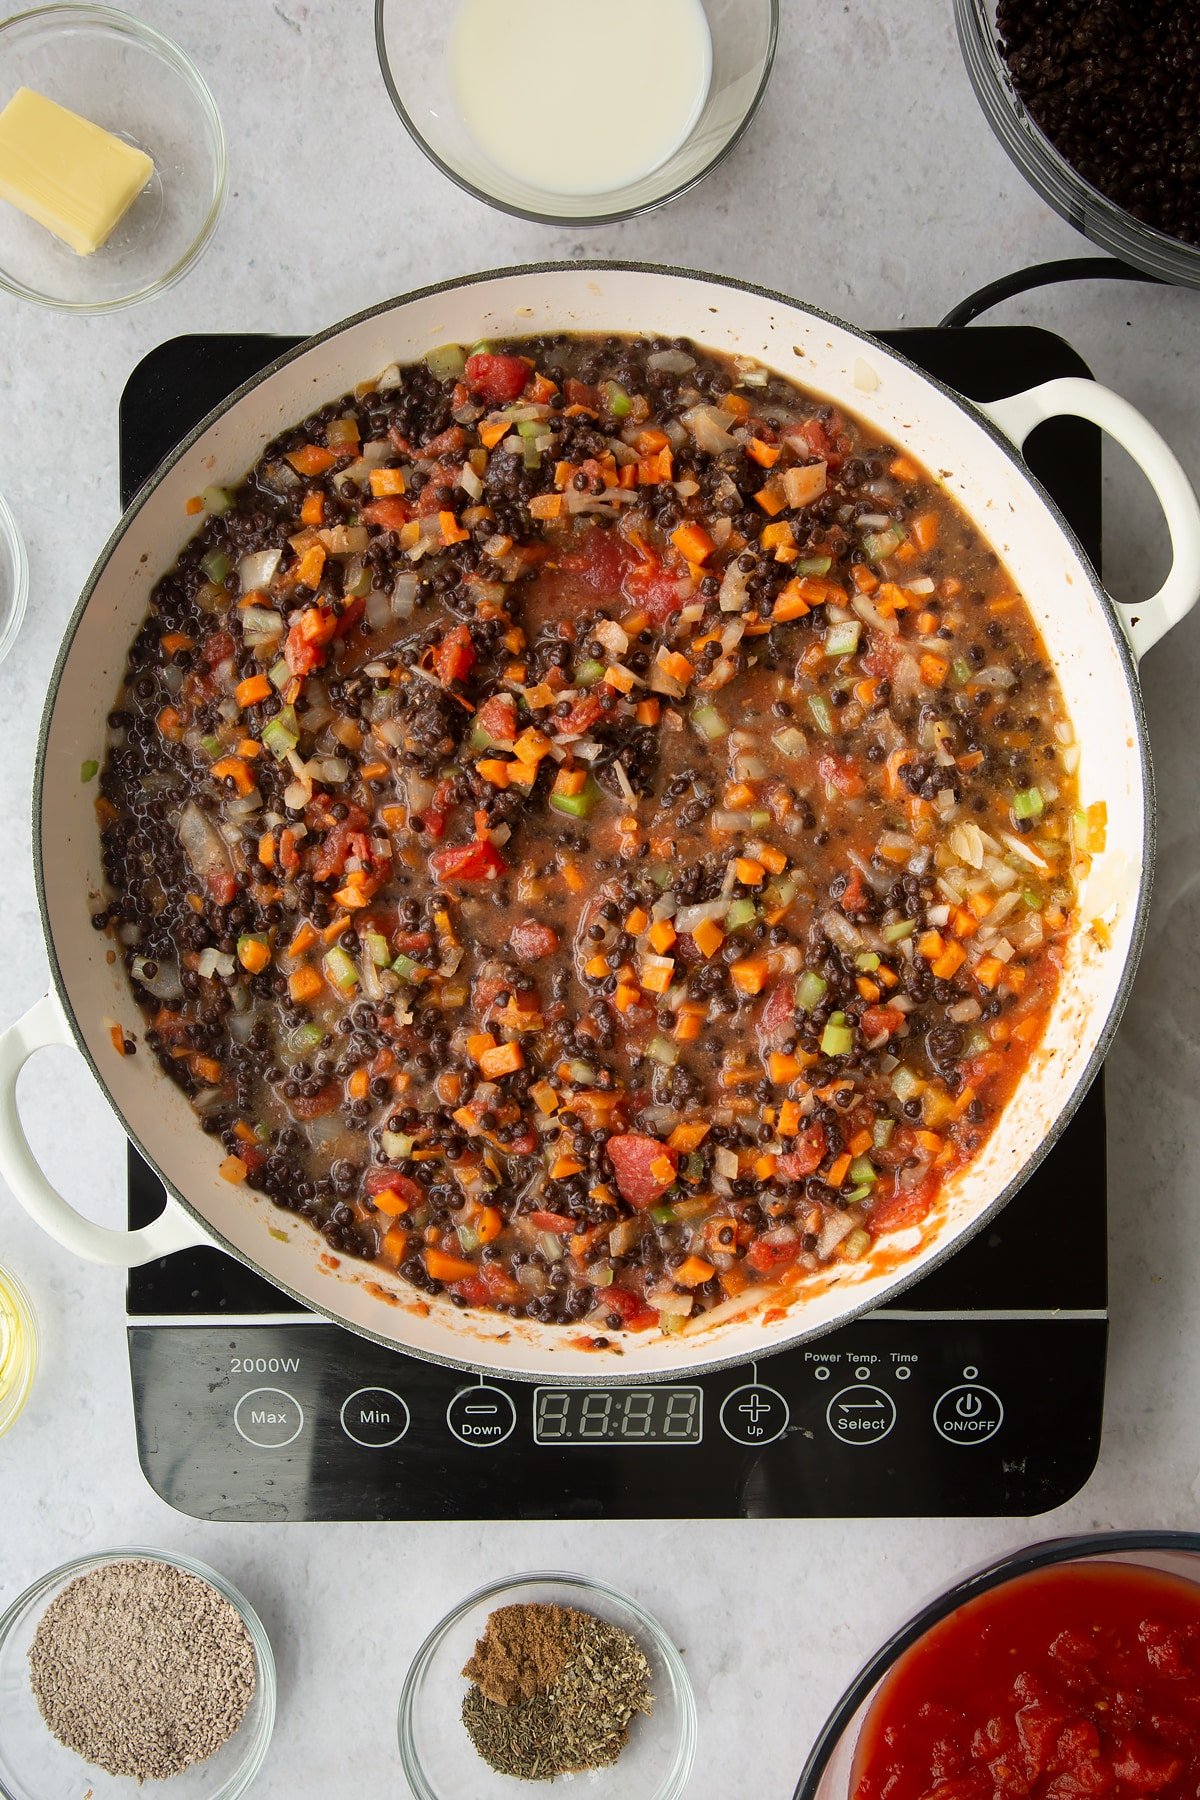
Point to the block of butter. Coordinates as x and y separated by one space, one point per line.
73 177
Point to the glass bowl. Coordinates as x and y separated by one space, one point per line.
826 1774
1082 205
14 580
438 1757
411 37
19 1342
126 77
35 1766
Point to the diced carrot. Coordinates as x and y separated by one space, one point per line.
903 470
865 691
782 1068
661 936
930 944
656 976
708 937
395 1245
772 498
393 1204
947 965
570 781
442 1266
545 1098
206 1068
689 1135
118 1039
839 1171
789 1118
304 985
505 1059
531 746
617 676
693 543
252 690
649 711
253 956
790 604
676 665
924 530
750 975
637 921
864 579
693 1271
934 669
177 640
495 770
546 506
749 871
235 770
359 1084
626 996
234 1169
564 1166
311 459
266 850
385 482
737 404
312 510
170 724
988 971
194 505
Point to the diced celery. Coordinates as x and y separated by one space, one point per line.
588 672
671 1324
663 1051
216 566
842 640
89 770
339 969
378 948
662 1215
866 960
446 361
279 674
481 739
962 669
837 1039
853 1197
903 928
881 1132
468 1239
709 723
818 706
662 875
212 746
581 1073
577 806
361 586
760 818
694 1169
1029 804
742 912
813 565
616 399
281 733
1032 898
879 544
905 1085
862 1169
531 428
216 500
810 990
482 348
857 1243
790 741
406 968
306 1037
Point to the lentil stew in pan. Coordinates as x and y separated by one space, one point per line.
592 829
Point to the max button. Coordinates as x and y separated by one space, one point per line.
269 1418
969 1414
481 1417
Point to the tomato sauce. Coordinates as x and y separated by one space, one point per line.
1079 1680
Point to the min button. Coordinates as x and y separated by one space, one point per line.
374 1417
269 1418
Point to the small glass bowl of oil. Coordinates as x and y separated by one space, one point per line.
18 1348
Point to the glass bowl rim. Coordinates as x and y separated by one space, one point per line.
126 25
572 220
10 534
1045 1554
259 1742
677 1776
1047 170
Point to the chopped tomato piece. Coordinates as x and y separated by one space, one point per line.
906 1206
498 717
382 1180
657 590
491 1285
390 513
765 1257
644 1167
583 714
223 886
878 1019
531 940
497 380
841 773
454 657
467 862
317 1106
808 1152
631 1309
340 844
559 1223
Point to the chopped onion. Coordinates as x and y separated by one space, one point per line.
212 962
688 917
709 425
164 984
379 609
672 362
258 570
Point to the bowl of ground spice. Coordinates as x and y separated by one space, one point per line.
547 1677
1098 104
127 1667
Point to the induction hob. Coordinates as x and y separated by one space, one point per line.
979 1392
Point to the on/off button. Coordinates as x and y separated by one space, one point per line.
969 1414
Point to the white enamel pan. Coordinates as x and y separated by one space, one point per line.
1094 646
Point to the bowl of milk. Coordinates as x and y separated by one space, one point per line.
576 111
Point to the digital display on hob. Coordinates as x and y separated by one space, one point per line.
652 1416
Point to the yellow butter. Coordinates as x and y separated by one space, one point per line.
73 177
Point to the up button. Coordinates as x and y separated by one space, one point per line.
968 1414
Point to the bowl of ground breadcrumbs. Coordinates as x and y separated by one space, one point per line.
545 1677
133 1666
1098 104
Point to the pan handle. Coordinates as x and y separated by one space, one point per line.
45 1024
1016 417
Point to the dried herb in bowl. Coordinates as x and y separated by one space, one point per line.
554 1691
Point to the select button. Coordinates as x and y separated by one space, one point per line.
269 1418
375 1417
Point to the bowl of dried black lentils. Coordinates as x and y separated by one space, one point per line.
1098 104
541 1676
133 1666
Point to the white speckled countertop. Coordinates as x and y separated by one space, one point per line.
871 186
